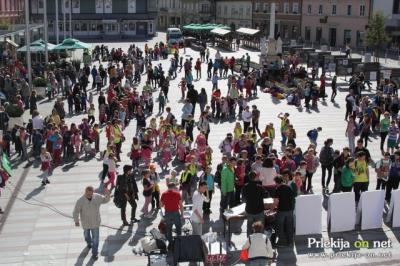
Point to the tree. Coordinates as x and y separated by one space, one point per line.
376 34
5 24
233 27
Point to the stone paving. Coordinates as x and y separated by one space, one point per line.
33 234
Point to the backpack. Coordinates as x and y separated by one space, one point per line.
309 133
357 130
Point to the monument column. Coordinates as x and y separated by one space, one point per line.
272 22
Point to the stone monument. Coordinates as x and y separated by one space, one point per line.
279 45
273 45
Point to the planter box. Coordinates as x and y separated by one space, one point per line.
15 121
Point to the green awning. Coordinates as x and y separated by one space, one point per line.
72 44
38 46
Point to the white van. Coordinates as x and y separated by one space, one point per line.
174 35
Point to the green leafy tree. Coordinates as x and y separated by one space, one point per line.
233 27
376 34
5 24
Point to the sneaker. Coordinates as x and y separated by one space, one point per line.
95 257
148 216
47 182
43 183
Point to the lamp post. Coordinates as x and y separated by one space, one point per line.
70 18
57 29
28 44
64 20
46 37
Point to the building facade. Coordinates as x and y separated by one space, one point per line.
335 22
11 11
391 9
99 18
287 17
169 13
197 11
234 13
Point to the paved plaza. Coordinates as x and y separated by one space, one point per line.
37 228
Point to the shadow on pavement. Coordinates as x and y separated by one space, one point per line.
81 257
34 192
113 243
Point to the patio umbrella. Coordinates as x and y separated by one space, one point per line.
37 46
71 44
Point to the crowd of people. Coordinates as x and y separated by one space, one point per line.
253 160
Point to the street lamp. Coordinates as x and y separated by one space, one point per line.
57 29
28 43
46 37
64 21
70 18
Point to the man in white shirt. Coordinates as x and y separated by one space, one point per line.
246 117
87 210
37 120
197 214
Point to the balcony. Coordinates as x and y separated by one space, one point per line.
10 14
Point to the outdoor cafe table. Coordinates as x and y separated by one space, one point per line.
239 213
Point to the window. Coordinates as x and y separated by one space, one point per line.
286 8
84 27
225 10
318 34
241 11
285 31
294 31
99 6
320 10
132 26
219 10
346 37
257 7
248 11
76 5
34 6
333 9
359 38
295 8
309 9
307 33
396 7
233 12
349 10
108 6
132 6
205 8
266 7
362 10
277 6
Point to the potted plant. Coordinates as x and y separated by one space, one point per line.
15 113
40 85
